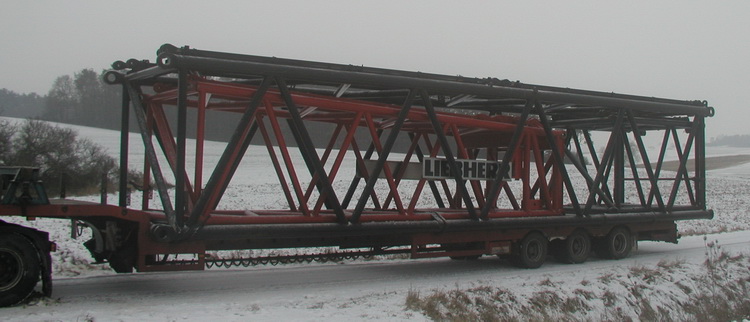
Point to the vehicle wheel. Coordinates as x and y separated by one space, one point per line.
531 251
19 269
575 249
617 244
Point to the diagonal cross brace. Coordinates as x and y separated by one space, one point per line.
460 182
559 158
390 141
140 116
308 149
229 160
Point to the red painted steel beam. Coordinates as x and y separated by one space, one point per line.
200 136
323 161
234 91
224 168
349 114
281 141
169 146
275 161
351 129
386 168
308 149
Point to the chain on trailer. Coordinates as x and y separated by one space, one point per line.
275 260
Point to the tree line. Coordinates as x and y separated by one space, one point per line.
20 105
82 99
738 141
85 99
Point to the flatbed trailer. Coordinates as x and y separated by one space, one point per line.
439 166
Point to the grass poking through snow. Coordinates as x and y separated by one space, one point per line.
672 290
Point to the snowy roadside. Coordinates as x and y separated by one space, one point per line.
674 288
659 279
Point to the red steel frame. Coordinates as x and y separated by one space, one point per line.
542 185
462 214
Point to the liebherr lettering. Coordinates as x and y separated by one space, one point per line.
433 168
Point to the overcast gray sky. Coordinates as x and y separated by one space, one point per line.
673 49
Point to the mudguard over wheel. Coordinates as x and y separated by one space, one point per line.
616 245
531 251
19 268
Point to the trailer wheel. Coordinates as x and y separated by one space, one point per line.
575 249
19 269
617 244
531 251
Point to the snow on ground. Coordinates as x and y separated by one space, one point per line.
374 290
358 289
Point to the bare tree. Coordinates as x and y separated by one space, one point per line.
7 130
61 100
59 152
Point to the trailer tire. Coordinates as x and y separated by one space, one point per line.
616 245
19 268
575 249
531 251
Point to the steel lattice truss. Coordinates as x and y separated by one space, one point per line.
539 140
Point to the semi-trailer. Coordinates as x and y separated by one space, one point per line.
370 161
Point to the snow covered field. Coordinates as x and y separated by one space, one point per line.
375 289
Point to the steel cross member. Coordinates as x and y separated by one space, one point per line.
124 142
357 178
559 158
161 186
606 159
229 160
679 150
307 148
492 195
390 141
180 183
460 182
433 186
646 162
682 170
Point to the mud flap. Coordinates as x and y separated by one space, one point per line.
47 272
